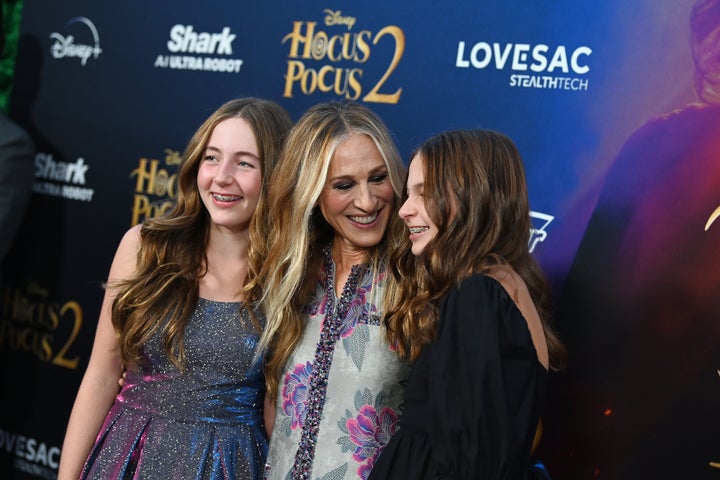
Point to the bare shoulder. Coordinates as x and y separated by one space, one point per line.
126 255
130 242
132 236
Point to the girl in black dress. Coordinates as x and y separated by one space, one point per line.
468 310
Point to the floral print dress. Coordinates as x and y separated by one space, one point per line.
339 397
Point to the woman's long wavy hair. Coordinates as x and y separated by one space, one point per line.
476 194
172 256
289 269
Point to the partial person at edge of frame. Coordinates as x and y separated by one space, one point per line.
470 313
17 151
174 315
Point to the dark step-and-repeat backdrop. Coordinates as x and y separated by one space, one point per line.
613 105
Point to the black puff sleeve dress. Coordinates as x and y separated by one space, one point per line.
474 396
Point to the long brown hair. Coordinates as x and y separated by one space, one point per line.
172 256
289 271
476 194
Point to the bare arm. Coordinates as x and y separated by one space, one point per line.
100 382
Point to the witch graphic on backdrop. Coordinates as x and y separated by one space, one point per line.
641 310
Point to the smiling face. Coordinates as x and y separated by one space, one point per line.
230 175
413 212
357 198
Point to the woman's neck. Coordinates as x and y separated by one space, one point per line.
345 257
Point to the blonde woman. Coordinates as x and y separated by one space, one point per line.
333 382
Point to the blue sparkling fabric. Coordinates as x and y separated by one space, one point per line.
204 423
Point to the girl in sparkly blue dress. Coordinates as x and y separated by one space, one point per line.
174 316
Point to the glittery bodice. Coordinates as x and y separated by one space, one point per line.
204 422
220 385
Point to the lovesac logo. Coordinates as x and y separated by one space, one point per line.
31 456
532 66
66 46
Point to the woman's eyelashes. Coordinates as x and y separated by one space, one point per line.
348 184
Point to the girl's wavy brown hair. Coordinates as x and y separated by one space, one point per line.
476 194
171 259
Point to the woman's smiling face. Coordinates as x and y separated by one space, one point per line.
357 198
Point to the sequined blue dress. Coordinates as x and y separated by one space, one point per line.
204 423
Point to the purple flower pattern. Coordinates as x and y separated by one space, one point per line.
341 315
370 431
295 393
360 311
347 321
